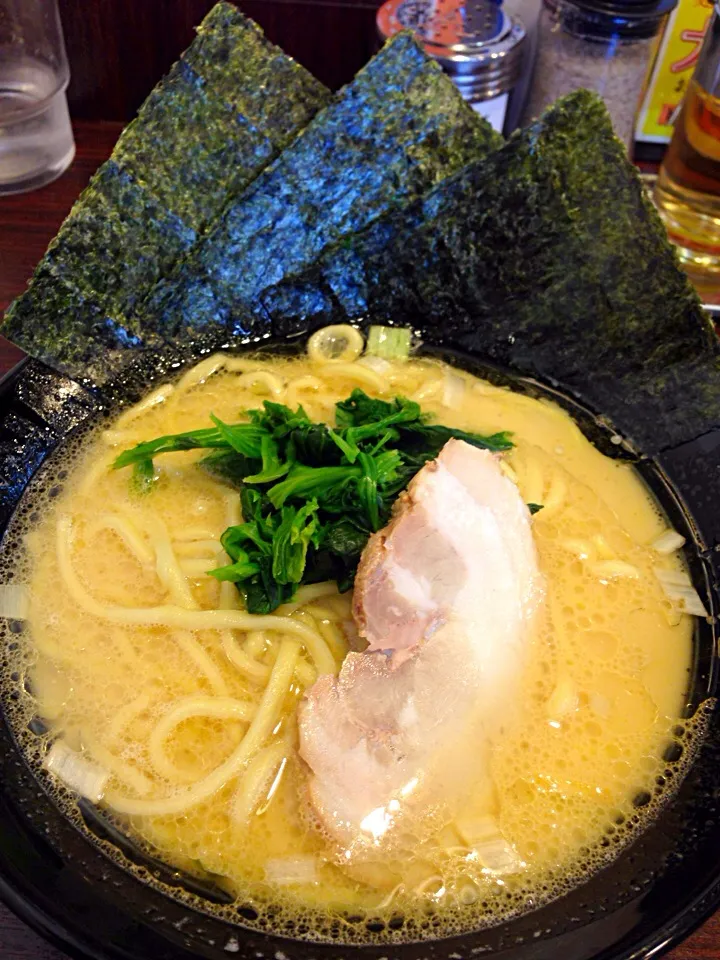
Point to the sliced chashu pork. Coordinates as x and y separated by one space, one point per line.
445 596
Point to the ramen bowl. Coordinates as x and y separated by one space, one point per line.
88 888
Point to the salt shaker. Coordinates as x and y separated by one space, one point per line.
485 49
603 45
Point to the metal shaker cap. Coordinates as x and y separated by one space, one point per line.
475 41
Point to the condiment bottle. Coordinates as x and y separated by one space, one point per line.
676 49
602 45
687 192
487 51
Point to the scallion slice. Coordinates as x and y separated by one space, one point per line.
390 343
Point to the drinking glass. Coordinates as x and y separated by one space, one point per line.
687 193
36 140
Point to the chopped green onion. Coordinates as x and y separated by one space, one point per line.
390 343
14 601
678 588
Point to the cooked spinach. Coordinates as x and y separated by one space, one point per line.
311 494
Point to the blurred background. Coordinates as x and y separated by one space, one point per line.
118 49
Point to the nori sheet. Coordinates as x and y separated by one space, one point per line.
117 242
192 147
224 111
392 134
546 258
71 334
273 92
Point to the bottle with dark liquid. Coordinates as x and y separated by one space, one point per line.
687 193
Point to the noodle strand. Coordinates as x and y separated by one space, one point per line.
264 721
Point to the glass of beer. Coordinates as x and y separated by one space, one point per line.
687 192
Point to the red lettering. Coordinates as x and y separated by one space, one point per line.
696 38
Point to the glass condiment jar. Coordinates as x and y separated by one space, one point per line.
602 45
486 50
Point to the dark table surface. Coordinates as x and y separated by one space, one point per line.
27 223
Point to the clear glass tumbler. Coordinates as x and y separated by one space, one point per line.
36 140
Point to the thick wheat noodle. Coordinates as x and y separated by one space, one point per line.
305 595
335 639
534 486
354 345
170 616
582 549
166 564
263 723
359 374
555 497
255 643
229 599
233 513
99 469
422 887
508 471
193 649
388 899
274 385
201 371
127 773
319 612
427 390
197 568
242 660
213 364
259 672
221 708
194 534
306 673
127 532
196 548
297 386
217 362
615 569
152 400
306 382
261 775
127 713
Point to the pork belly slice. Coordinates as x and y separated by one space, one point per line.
445 596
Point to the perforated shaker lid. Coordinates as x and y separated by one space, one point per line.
474 40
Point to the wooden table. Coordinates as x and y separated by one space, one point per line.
27 223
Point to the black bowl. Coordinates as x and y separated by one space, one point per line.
60 879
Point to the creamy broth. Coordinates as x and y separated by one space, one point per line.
162 703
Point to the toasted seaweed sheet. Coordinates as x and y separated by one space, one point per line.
273 92
221 150
391 135
206 131
547 258
117 242
83 342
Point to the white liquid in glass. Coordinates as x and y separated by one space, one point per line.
36 141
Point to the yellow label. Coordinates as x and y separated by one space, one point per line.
675 56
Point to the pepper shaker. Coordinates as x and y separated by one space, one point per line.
603 45
486 50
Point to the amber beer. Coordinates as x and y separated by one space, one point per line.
687 192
